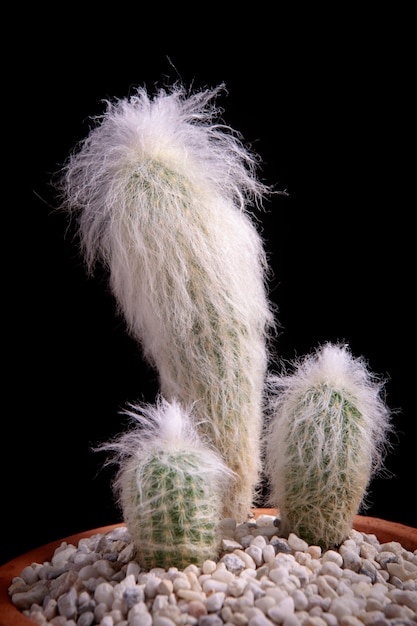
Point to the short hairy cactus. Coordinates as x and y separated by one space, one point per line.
170 486
161 193
325 440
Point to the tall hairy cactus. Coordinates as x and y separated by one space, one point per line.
160 189
170 486
324 442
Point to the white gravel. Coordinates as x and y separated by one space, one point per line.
260 579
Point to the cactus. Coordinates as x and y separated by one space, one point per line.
161 191
325 440
170 485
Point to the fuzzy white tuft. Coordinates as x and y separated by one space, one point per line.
160 189
165 424
326 438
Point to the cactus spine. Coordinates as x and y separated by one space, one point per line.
170 486
324 442
161 193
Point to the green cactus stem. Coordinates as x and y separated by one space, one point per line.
170 486
161 193
325 441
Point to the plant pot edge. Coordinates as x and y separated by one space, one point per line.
9 614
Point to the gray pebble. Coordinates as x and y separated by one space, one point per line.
369 570
67 603
352 560
233 563
280 546
86 619
24 599
133 595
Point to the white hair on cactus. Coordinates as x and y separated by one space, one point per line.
170 486
161 190
326 438
165 423
173 132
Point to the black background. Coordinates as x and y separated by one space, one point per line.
326 101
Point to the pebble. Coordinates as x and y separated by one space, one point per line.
260 579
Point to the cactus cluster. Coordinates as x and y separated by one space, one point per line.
161 192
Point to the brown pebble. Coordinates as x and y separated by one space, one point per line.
196 609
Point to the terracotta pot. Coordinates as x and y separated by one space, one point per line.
10 616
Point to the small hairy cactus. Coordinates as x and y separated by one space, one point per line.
170 486
161 193
325 440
